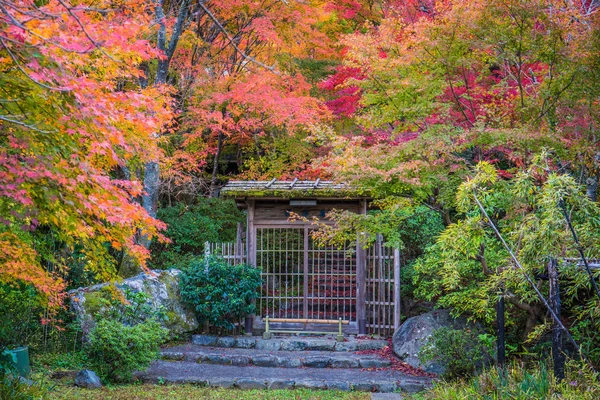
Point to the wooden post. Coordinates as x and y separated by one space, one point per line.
500 343
558 356
250 256
251 234
361 278
305 269
239 246
397 299
361 287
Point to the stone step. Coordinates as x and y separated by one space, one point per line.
274 359
186 372
327 343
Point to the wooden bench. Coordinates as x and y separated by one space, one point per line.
339 337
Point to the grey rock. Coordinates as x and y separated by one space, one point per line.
240 360
220 359
320 345
204 340
317 362
311 384
226 342
385 387
87 379
412 386
269 345
25 381
173 355
374 363
364 386
265 361
221 382
288 362
344 362
162 288
293 345
245 343
250 383
275 384
371 344
339 385
414 333
346 346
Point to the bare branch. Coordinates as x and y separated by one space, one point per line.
12 56
232 42
21 123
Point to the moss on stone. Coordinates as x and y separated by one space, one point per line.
96 301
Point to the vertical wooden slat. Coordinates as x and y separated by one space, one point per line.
361 286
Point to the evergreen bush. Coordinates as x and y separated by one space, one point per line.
220 293
461 351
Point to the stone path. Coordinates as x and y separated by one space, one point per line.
281 363
272 358
281 378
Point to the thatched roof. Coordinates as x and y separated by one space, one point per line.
280 189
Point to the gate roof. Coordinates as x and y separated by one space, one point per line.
281 189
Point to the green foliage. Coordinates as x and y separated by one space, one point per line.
468 267
12 388
462 351
126 337
116 350
190 226
136 309
21 311
220 293
186 392
402 222
519 382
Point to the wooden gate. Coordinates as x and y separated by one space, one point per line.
304 280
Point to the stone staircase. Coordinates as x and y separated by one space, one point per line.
282 363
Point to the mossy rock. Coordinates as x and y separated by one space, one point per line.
162 288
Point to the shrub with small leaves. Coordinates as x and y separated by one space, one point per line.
220 293
460 351
126 337
117 350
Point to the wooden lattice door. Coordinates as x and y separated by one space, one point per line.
302 279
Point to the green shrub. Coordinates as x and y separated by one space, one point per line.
126 337
190 226
220 293
116 350
517 381
21 311
461 351
13 388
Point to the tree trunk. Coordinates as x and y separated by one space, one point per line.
151 169
592 187
215 171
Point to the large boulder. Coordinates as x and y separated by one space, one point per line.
414 333
87 379
162 288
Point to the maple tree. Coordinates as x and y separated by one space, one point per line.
239 72
74 121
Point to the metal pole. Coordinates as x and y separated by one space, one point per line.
558 356
500 344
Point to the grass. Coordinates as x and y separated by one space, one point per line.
519 382
181 392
